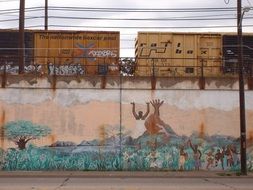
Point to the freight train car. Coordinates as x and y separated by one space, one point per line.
178 54
9 40
98 51
66 52
230 53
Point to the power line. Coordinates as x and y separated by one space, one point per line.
199 18
148 27
27 18
142 10
10 11
131 9
144 19
3 1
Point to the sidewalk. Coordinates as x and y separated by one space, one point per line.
122 174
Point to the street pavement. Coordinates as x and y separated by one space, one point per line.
172 180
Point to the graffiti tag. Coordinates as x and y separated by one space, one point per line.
14 69
103 53
73 69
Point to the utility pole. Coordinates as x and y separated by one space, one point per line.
46 14
241 90
21 36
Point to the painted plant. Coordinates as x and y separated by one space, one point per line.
21 132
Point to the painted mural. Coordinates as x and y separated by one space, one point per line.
137 130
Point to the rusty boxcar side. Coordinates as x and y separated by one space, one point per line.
96 52
178 54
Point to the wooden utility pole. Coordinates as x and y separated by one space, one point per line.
46 14
21 36
241 89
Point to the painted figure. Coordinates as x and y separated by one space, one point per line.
127 162
182 158
209 159
140 115
229 154
219 156
140 119
154 158
236 159
196 155
153 123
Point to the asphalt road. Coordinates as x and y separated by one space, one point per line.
124 183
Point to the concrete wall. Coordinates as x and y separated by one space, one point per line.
89 124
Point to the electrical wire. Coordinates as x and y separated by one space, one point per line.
200 17
27 18
143 19
11 11
4 1
147 27
90 9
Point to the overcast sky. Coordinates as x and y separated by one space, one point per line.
129 34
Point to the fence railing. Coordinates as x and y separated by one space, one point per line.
115 66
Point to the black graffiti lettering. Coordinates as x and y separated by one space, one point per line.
190 52
178 51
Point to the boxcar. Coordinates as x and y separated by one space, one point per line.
64 52
97 51
9 44
230 52
178 54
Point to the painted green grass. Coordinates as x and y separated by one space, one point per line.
47 158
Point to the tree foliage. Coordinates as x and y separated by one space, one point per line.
20 132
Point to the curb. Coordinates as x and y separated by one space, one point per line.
124 174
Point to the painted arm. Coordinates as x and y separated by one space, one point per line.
200 154
133 111
156 104
146 114
191 145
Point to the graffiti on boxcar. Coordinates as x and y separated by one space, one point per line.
91 53
13 68
82 51
70 69
146 51
102 53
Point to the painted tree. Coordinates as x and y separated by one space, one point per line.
20 132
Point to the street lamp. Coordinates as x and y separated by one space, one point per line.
240 15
